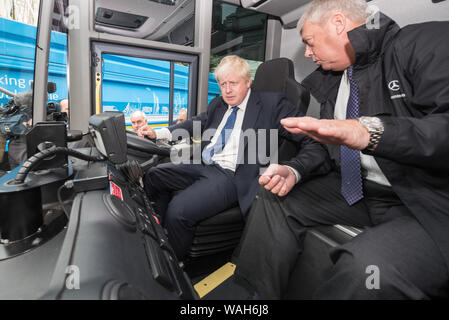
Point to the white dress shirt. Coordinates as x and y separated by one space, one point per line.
374 173
227 158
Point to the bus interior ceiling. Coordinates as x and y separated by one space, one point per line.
157 19
151 20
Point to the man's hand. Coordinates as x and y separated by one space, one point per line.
147 131
278 179
348 133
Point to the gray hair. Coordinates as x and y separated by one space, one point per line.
319 11
234 64
138 113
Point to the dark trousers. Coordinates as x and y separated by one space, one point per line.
205 190
409 263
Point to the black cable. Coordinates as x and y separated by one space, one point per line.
35 160
131 170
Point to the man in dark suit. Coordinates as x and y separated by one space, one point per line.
233 148
385 119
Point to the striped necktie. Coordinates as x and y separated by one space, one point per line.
351 174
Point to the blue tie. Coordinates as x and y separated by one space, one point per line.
351 174
225 133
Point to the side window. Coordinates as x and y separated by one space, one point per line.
239 31
137 84
18 30
160 84
180 92
58 96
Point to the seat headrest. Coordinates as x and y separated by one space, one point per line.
297 94
271 75
278 75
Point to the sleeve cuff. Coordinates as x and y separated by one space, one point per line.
388 143
163 134
297 175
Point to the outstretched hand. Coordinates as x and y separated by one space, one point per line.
278 179
146 131
348 133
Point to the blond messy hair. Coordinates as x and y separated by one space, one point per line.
232 64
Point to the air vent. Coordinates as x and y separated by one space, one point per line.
119 19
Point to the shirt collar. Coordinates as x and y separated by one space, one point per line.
242 106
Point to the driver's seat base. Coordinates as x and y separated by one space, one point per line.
218 233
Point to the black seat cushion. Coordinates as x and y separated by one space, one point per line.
271 75
218 233
278 75
226 217
298 95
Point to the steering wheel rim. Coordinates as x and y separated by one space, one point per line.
148 146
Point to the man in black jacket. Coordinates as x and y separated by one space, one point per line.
386 93
227 176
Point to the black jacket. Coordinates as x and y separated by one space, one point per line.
264 111
403 78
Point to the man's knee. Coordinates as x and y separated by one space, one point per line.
370 274
180 228
151 180
152 172
178 215
289 208
357 263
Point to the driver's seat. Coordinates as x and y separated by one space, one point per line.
222 232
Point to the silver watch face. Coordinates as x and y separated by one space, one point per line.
371 123
375 128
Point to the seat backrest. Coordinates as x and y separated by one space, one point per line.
278 75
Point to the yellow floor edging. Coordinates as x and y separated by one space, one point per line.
214 279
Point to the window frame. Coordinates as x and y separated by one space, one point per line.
100 48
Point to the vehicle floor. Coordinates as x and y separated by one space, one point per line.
198 268
229 288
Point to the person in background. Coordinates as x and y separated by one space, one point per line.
64 104
138 120
182 116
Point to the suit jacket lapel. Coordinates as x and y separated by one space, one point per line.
214 120
220 112
253 111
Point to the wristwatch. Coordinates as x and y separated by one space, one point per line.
375 128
